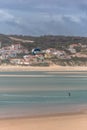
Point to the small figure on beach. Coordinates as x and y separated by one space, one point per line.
69 94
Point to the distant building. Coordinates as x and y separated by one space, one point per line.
72 50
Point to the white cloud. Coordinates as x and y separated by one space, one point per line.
5 16
76 18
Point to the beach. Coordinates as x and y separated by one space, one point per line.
61 122
42 68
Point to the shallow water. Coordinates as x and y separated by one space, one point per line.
49 94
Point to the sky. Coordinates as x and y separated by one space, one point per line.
43 17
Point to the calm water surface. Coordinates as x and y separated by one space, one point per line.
39 93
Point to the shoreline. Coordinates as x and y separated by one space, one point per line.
38 116
72 121
53 68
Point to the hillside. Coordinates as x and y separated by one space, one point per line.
42 42
59 50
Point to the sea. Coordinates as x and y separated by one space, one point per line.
42 93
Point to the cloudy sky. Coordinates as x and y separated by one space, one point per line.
43 17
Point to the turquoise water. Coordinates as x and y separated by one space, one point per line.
41 93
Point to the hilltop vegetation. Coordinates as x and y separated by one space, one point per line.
43 42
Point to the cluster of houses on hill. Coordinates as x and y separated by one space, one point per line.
78 50
17 54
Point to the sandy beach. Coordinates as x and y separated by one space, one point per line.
64 122
37 68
